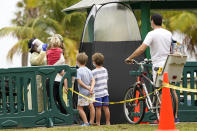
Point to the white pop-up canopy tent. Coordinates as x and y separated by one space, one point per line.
112 29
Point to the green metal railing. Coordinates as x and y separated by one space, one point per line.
19 107
187 100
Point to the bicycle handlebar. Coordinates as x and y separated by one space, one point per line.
145 61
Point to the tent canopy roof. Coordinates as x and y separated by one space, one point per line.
85 4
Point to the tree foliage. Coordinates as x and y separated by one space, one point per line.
185 22
182 21
41 19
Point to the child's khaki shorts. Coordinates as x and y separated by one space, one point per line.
85 102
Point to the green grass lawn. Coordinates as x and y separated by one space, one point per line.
118 127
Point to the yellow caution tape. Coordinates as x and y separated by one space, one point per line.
179 88
159 71
119 102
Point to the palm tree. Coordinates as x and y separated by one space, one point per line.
23 34
25 28
186 23
40 19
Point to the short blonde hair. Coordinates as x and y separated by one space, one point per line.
98 58
55 42
82 58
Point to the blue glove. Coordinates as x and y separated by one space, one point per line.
44 47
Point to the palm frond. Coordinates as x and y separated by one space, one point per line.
16 31
42 18
184 22
52 24
32 3
15 49
20 47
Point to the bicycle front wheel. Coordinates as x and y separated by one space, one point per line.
134 110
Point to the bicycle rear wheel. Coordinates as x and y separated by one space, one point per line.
158 104
134 110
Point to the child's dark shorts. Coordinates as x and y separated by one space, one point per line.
102 99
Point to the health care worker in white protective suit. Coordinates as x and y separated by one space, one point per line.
159 40
38 58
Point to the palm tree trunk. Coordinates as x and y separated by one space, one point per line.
24 59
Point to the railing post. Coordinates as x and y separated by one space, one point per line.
14 85
145 22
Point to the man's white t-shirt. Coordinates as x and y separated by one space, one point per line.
159 41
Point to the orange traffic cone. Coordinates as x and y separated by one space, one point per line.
166 120
137 109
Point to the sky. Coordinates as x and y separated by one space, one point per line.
7 9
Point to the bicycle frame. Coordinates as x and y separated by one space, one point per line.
135 111
141 82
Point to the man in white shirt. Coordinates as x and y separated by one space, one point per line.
159 41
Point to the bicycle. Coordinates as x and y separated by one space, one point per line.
134 111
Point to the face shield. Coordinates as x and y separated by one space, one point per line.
38 43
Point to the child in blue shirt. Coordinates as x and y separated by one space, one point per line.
86 84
